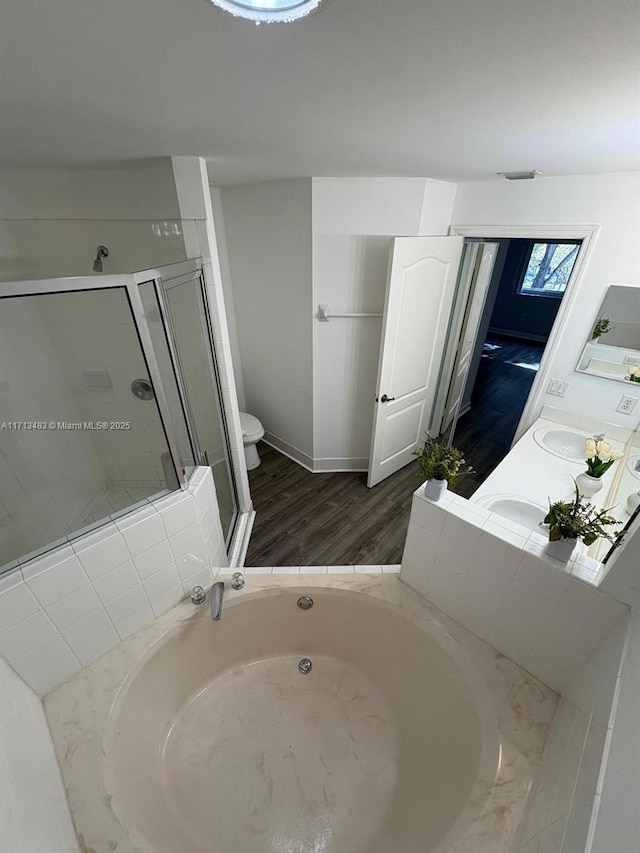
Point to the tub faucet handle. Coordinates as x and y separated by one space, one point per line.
198 595
237 580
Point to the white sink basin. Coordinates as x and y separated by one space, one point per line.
516 508
565 443
633 465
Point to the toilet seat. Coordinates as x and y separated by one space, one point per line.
252 429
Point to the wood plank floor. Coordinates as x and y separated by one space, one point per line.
486 432
305 519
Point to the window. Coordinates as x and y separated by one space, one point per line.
548 269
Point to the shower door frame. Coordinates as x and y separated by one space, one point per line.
183 272
237 539
126 282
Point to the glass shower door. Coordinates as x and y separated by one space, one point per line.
185 309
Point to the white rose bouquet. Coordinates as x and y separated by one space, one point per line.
600 456
634 374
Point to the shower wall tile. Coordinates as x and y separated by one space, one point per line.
48 665
72 607
127 604
29 774
499 584
91 637
104 557
558 812
116 582
17 603
161 582
202 577
26 635
56 582
163 602
74 604
140 535
135 622
177 513
155 558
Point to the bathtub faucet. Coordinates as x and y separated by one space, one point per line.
217 591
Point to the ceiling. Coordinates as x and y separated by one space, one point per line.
451 89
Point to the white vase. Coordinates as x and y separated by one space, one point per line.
435 489
561 549
633 502
587 485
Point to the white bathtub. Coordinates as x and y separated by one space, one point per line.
408 734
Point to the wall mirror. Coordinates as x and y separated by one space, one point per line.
612 350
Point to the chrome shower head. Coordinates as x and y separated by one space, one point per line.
101 252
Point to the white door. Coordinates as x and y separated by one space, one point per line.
420 289
476 299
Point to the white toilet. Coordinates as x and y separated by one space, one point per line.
252 432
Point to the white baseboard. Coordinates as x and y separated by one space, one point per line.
338 464
325 465
289 450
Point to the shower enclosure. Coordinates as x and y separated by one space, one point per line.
109 397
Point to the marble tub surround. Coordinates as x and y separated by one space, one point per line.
493 576
513 710
64 610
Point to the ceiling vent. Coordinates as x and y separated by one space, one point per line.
520 176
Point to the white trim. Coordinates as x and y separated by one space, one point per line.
241 537
588 234
341 463
289 450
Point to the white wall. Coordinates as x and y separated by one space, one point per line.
227 288
268 229
607 200
354 222
51 220
34 816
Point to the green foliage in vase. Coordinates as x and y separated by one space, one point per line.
602 326
580 519
438 462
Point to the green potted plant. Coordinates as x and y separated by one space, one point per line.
577 519
602 326
599 458
440 465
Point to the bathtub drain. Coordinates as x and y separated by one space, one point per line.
305 666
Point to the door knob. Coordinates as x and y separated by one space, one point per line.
385 399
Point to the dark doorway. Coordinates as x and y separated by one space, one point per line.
526 290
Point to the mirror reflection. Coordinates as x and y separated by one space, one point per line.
613 348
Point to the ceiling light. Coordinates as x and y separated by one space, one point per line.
520 176
268 11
